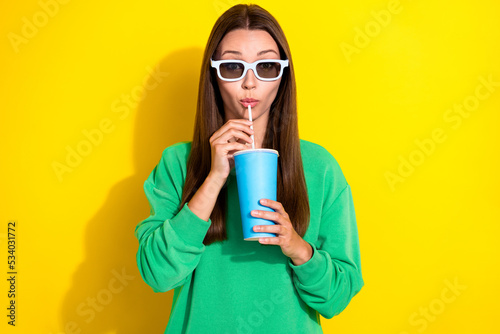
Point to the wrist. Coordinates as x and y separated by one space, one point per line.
215 182
306 255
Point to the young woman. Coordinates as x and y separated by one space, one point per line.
192 241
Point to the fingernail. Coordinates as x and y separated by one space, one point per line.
256 228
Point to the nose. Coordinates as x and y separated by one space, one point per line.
249 81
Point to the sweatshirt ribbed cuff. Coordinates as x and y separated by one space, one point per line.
312 271
189 226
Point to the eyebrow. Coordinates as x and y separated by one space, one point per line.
239 53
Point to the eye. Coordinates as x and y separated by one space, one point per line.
268 66
232 66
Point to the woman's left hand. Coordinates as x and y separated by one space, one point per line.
292 244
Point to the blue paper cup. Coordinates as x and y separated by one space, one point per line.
256 177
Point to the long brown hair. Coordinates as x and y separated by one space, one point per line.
282 132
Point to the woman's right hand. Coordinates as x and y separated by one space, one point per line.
223 145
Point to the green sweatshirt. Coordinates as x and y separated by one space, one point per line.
239 286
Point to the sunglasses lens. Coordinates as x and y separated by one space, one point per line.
231 70
269 70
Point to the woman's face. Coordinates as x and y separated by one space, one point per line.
248 45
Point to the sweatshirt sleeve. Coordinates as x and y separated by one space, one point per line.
332 277
170 240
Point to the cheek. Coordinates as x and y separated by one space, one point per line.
226 91
273 91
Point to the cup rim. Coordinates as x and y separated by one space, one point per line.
250 150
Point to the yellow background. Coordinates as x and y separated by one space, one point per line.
436 226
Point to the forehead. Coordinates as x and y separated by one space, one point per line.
247 41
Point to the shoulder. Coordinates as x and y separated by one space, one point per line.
178 152
308 148
321 169
181 148
172 164
316 157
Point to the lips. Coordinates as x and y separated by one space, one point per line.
249 102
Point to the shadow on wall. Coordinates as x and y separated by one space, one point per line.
108 294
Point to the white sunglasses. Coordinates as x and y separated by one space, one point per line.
264 69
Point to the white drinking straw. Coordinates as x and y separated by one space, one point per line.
251 126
